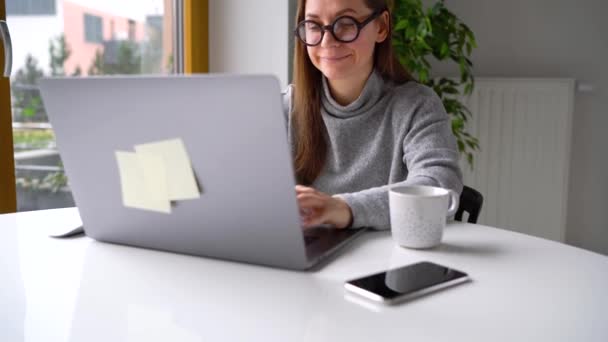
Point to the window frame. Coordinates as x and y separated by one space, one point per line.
196 36
8 192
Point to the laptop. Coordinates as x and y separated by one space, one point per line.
234 131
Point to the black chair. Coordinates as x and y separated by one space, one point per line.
470 201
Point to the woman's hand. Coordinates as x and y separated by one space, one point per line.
319 208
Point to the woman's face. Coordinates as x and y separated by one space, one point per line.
337 60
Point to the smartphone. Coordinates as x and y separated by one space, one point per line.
405 283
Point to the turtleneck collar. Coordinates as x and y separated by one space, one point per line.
370 95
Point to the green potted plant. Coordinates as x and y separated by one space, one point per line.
421 33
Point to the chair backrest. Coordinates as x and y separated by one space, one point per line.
470 201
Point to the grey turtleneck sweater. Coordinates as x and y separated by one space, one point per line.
391 135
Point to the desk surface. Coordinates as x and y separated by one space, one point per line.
523 289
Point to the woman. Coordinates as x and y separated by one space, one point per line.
357 122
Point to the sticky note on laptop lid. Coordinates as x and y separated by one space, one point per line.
181 183
143 179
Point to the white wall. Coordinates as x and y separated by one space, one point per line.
249 37
31 35
555 38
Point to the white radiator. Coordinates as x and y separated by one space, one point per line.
524 129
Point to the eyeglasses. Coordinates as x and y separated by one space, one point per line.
345 29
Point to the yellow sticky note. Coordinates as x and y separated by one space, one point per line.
180 177
143 180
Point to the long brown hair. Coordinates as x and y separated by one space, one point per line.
310 131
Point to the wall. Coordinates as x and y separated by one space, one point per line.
249 37
555 38
31 35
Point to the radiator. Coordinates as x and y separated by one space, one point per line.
524 129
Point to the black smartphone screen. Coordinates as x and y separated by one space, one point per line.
404 280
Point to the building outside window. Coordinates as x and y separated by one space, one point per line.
30 7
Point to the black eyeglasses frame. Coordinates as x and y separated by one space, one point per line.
330 27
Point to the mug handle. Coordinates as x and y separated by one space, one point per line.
454 202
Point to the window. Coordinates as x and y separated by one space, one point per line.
132 30
30 7
93 29
61 46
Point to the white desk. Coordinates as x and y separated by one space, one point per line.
523 289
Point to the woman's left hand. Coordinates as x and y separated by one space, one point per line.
319 208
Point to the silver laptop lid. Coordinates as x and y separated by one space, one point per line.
234 131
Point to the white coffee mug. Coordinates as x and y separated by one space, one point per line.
419 213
